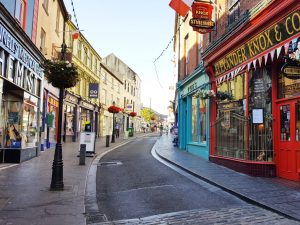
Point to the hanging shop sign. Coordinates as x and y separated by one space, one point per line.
93 90
275 34
18 65
291 69
202 17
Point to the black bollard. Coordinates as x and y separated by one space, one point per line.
107 140
82 154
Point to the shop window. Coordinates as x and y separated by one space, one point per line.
260 97
69 110
194 120
288 88
231 123
29 125
202 120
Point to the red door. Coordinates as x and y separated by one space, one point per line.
288 136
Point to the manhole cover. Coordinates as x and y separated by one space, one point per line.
95 218
114 163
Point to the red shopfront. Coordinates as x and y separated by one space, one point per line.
255 118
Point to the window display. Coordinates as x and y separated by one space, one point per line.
231 123
202 120
69 110
29 122
19 125
194 120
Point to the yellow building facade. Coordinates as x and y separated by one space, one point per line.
79 108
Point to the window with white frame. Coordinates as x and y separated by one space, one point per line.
43 40
45 5
186 54
233 11
19 11
79 50
57 20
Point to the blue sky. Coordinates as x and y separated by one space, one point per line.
136 31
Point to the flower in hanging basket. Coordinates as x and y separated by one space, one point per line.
132 114
153 117
224 95
204 94
114 109
61 74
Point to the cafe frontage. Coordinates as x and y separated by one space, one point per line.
21 85
255 116
193 109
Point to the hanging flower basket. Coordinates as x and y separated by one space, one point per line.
61 74
153 117
224 95
132 114
114 109
204 94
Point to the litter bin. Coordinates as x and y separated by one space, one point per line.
130 132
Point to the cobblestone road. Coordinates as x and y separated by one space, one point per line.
247 215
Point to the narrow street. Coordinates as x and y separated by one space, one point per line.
134 188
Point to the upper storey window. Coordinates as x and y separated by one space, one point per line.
233 10
20 11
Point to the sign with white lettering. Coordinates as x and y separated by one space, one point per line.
273 35
17 65
93 90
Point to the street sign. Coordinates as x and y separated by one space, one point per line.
93 90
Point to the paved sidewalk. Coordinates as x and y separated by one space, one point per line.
25 198
275 194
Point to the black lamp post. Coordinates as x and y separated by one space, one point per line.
57 183
113 129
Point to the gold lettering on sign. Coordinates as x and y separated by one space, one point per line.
273 35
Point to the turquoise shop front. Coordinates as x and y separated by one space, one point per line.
193 109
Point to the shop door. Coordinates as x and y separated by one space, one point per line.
288 136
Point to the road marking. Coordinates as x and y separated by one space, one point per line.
144 188
7 166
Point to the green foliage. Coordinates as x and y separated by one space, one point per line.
61 74
224 95
146 114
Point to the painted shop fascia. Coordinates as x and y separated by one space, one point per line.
264 104
192 112
21 85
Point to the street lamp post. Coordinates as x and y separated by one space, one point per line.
113 129
57 183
